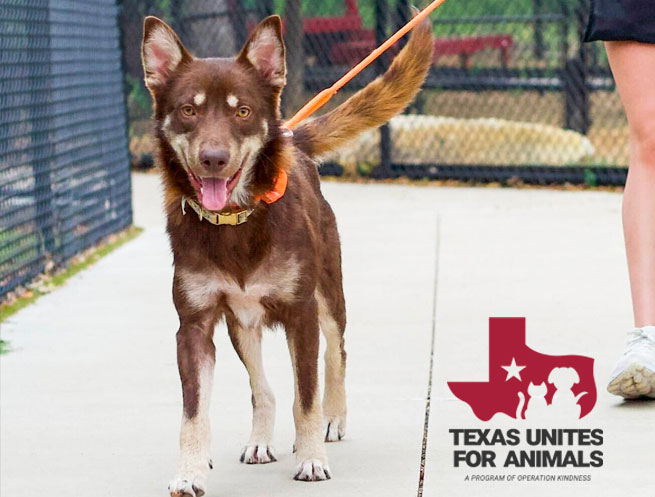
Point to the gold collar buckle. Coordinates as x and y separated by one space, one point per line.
216 218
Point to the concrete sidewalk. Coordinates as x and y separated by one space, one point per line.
91 402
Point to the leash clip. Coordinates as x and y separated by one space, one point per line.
286 132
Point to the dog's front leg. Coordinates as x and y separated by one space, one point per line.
303 338
195 359
247 341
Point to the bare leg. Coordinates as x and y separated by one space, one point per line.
633 66
195 358
248 344
302 336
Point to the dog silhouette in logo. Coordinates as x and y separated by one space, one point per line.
564 402
537 406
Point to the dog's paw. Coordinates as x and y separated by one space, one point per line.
183 487
312 470
335 428
258 454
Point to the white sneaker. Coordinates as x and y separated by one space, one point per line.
634 373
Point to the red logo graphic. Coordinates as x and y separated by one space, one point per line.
525 384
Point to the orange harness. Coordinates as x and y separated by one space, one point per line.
277 192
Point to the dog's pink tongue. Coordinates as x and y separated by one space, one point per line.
214 193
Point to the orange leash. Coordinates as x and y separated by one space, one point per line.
324 96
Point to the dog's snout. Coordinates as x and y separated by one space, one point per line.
214 158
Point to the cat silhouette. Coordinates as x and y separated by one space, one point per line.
537 408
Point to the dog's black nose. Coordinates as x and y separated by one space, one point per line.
214 158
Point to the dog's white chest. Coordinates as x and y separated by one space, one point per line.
246 303
277 281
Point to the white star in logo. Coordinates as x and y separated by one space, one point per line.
513 371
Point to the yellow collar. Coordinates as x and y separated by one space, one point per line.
232 219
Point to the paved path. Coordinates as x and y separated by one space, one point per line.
90 399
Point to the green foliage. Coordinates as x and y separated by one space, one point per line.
590 177
469 8
138 98
365 169
165 9
310 8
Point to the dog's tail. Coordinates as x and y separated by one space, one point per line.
376 103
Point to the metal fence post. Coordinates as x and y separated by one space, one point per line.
121 41
44 201
293 96
564 31
265 8
381 64
538 29
177 19
574 82
238 21
403 15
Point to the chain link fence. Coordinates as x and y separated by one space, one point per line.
64 174
512 94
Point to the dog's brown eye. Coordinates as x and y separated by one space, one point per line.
188 110
243 111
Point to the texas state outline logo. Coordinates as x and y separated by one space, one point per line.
526 384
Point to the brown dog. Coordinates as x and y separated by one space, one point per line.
224 154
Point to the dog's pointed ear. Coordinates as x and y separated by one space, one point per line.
161 53
264 50
551 376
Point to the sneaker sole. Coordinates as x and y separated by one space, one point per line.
633 382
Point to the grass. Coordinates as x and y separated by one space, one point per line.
47 283
17 246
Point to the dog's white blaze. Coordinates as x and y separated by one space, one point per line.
161 55
180 144
195 152
250 146
234 149
199 98
195 433
232 100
